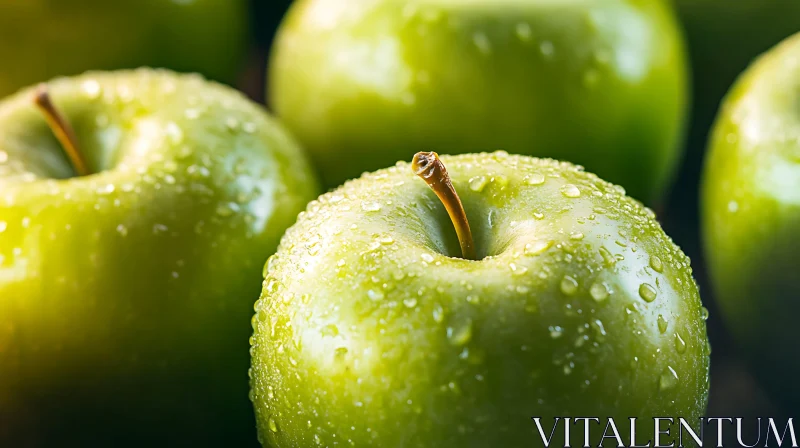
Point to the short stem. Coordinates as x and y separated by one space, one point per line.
430 168
62 130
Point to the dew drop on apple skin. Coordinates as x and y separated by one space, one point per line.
647 292
662 324
534 179
570 191
680 344
569 285
599 291
668 379
478 183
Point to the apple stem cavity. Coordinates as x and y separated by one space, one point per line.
430 168
61 129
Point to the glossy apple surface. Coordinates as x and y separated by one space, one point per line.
125 295
364 83
751 215
723 38
372 331
44 39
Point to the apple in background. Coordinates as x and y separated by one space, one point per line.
363 83
372 329
125 293
751 216
44 39
724 37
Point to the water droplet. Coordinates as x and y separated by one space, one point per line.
122 230
460 334
410 303
3 226
647 292
576 236
477 183
608 258
482 43
703 313
733 206
569 285
370 206
680 344
537 247
341 262
438 313
428 258
535 179
375 295
668 380
656 264
547 48
662 324
232 124
556 331
523 31
517 270
570 191
599 291
273 425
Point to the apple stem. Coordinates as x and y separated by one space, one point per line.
61 129
430 168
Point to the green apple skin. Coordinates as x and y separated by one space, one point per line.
45 39
751 215
372 331
125 295
723 38
363 83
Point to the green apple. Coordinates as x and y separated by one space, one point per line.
724 36
363 83
373 331
751 215
44 39
125 294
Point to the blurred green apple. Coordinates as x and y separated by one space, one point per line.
125 294
363 83
373 331
724 36
41 39
751 215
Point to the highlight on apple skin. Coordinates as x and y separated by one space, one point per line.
372 330
126 292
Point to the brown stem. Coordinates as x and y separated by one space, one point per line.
430 168
61 129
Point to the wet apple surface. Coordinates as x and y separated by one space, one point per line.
372 329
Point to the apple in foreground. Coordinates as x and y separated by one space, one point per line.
44 39
127 269
373 329
751 215
364 83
